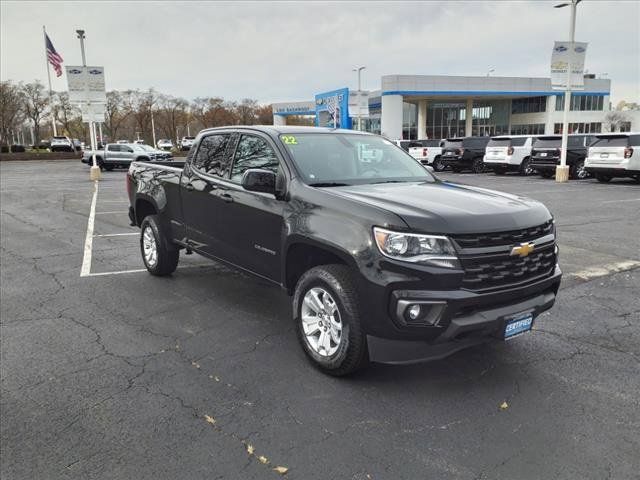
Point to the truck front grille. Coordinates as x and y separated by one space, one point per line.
484 272
487 266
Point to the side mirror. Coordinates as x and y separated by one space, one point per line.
259 180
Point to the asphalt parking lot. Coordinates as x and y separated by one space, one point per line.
108 372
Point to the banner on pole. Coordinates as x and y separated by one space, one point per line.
86 84
561 57
93 112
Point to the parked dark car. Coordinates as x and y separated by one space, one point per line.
385 262
545 155
465 153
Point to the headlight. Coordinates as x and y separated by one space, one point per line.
433 250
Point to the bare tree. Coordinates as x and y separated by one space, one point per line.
613 120
35 102
246 111
264 115
116 114
172 113
10 110
68 115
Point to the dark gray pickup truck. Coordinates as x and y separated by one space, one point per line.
384 261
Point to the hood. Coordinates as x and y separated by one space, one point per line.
450 208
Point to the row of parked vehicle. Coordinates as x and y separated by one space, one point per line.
604 156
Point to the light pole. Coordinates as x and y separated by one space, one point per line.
562 170
94 173
490 71
359 70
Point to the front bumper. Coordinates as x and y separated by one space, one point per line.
463 332
464 317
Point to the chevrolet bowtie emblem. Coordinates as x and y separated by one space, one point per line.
523 249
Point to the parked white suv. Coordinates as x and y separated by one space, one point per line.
164 144
428 153
509 153
614 155
61 144
186 143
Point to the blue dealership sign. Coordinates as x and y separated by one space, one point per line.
332 109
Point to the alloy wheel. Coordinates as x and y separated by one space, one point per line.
321 322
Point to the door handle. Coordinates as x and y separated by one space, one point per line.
189 187
226 197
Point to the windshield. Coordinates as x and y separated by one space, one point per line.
140 146
548 142
343 159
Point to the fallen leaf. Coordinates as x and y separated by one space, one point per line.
217 379
195 364
281 470
263 459
250 449
210 420
504 406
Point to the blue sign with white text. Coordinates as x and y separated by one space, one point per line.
332 109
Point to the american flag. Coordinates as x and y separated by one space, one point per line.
54 57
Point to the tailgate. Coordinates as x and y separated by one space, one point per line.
606 154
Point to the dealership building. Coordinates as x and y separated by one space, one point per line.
441 106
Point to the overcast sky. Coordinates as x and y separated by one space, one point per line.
292 50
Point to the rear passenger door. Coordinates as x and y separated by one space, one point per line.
251 223
200 192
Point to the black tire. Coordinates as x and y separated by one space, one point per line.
546 173
352 353
477 166
577 171
602 178
636 178
525 170
438 164
456 169
167 254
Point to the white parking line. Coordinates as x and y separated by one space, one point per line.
109 213
88 242
619 201
116 234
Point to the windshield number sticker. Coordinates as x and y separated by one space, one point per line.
289 140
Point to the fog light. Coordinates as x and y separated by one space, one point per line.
414 311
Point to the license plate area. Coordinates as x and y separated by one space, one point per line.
518 324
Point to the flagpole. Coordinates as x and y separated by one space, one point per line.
46 60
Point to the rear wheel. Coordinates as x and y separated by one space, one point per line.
438 165
477 166
328 322
525 167
602 178
160 256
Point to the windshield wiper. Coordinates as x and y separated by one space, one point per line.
328 184
391 181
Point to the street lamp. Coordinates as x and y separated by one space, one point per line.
359 70
490 71
562 170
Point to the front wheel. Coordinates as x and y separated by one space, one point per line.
578 172
160 256
438 165
328 320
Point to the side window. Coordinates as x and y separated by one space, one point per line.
518 141
253 152
113 148
211 157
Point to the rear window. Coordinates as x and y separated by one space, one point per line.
476 142
452 143
60 138
547 142
415 145
499 142
431 143
611 141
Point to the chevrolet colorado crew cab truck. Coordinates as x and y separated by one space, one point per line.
384 261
